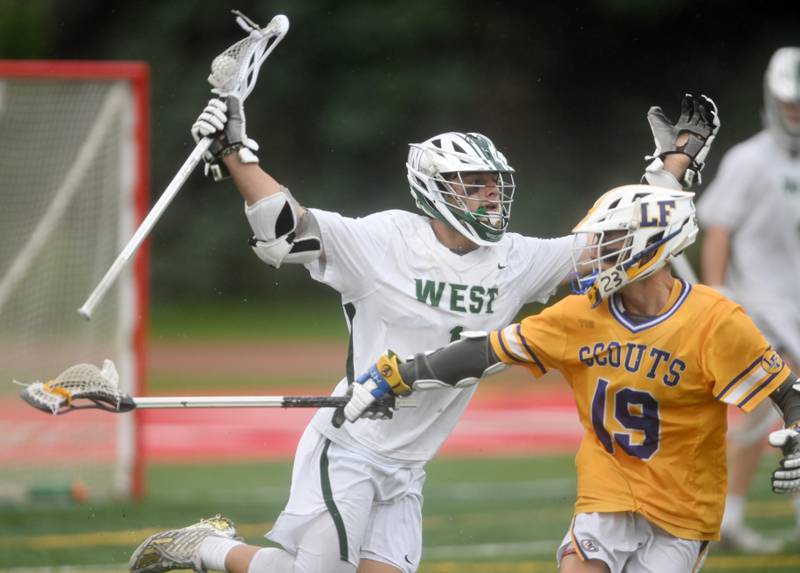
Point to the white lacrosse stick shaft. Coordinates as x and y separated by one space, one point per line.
684 270
242 83
144 228
209 402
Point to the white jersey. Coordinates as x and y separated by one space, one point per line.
403 290
756 195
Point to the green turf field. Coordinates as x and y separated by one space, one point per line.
251 320
481 516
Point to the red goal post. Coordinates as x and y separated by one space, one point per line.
74 160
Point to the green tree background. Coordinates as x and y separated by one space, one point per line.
562 88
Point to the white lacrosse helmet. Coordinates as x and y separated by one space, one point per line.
782 86
630 233
435 168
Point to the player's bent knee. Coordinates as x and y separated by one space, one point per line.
314 562
574 564
270 559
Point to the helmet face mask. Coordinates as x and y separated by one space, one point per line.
630 233
782 97
446 174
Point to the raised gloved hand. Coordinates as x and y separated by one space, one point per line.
380 381
224 122
786 478
699 120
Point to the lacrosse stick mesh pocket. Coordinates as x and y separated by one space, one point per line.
225 67
79 381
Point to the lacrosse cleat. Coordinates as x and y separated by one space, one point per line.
178 548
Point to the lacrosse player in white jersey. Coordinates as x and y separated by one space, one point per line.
751 251
407 281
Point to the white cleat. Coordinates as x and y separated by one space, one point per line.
177 548
747 540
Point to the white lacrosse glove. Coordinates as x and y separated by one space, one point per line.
699 120
211 123
371 408
786 478
224 122
372 394
236 133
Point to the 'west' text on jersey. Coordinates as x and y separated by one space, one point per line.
460 298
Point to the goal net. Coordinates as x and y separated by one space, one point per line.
74 170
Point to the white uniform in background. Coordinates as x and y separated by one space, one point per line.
756 195
402 289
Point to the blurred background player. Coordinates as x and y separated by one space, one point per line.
406 281
751 251
653 363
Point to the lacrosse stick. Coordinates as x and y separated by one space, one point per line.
683 268
85 386
233 72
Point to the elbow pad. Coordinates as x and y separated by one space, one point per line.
279 235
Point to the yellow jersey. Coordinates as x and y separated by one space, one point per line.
652 396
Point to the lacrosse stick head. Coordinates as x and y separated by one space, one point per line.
234 71
79 386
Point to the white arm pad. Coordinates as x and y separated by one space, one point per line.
276 236
473 334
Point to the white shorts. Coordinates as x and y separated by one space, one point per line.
626 541
376 507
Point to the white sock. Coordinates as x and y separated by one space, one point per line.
734 512
214 549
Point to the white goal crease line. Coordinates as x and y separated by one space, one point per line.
63 196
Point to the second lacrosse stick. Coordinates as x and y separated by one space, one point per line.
84 386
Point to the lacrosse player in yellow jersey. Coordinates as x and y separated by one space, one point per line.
406 280
653 363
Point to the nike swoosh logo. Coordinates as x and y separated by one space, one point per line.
407 559
501 267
